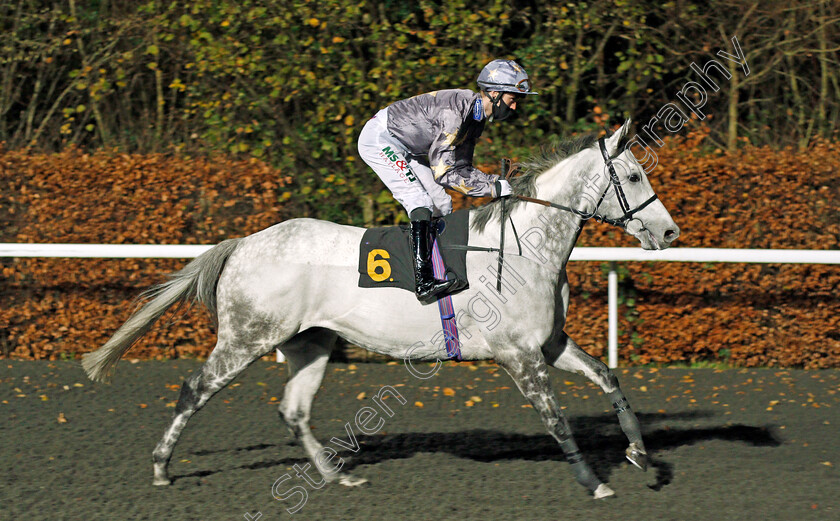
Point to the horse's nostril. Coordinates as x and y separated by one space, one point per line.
670 235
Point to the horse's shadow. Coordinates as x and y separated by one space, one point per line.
598 436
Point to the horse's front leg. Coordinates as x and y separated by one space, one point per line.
531 376
565 354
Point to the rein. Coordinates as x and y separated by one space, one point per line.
508 170
622 221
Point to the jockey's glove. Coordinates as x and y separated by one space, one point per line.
502 188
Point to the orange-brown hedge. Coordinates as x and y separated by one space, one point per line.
55 307
775 315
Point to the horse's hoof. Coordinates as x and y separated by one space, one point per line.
348 480
161 482
602 492
637 456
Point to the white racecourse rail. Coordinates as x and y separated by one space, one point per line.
613 255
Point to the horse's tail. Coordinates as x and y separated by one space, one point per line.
196 282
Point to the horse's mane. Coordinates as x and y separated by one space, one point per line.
533 167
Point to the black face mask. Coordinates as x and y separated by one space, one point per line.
501 111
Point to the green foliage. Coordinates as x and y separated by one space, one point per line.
293 81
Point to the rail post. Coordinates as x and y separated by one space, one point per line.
612 305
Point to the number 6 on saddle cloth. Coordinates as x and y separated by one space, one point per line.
385 261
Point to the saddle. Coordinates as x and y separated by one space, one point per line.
385 258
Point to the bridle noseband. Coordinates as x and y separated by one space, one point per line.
622 221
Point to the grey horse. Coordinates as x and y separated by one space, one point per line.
294 287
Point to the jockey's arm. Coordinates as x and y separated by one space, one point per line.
452 168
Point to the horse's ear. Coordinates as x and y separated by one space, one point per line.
615 139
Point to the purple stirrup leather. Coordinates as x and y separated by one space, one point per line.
447 312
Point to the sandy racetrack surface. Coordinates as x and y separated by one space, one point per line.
735 444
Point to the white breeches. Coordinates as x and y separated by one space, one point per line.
409 178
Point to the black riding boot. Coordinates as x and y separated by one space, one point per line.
427 287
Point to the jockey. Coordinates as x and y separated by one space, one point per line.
418 145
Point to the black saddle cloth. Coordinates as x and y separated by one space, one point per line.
385 257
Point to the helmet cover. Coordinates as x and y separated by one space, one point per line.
504 76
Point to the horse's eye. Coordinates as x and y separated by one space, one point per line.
634 178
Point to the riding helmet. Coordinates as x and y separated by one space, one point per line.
504 76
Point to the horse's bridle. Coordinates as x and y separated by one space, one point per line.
622 221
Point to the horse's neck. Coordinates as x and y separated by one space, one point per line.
547 235
562 184
551 233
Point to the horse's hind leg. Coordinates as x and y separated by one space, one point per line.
531 376
222 366
568 356
307 355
